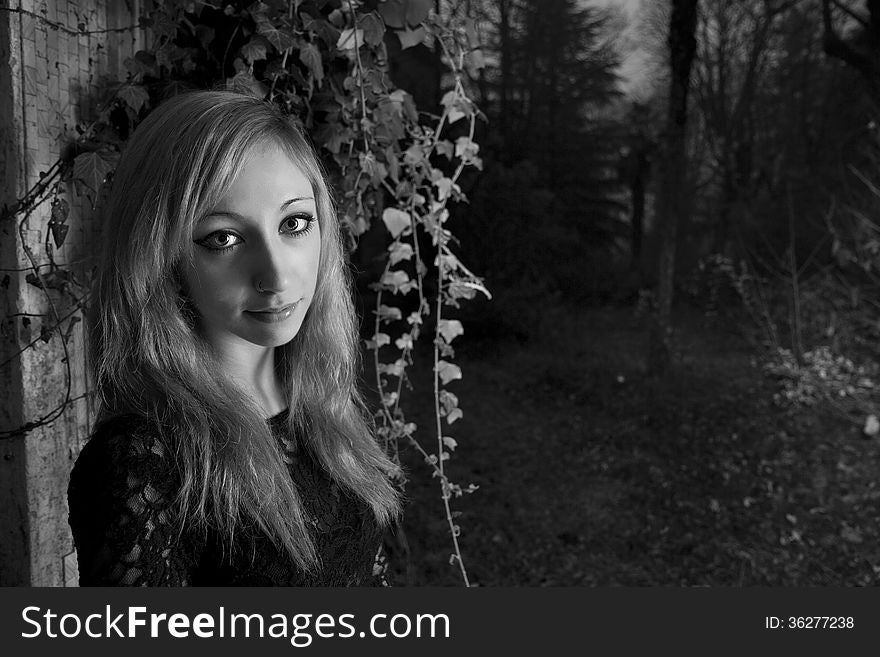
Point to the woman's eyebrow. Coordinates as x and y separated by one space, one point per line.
235 215
296 200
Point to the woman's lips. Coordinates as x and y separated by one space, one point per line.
272 316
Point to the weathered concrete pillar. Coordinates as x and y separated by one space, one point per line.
52 56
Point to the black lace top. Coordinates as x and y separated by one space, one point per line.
122 497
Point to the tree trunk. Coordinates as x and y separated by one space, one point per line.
639 176
671 197
505 82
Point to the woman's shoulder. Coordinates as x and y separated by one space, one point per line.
122 499
125 445
129 434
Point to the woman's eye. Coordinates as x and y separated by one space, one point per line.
220 240
296 224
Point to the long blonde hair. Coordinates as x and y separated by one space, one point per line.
147 358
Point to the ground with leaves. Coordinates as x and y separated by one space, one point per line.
591 474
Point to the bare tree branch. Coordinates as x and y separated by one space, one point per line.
835 46
860 19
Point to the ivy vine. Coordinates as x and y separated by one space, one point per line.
328 63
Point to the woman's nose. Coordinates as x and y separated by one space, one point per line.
271 273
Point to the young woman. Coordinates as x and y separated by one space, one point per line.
231 446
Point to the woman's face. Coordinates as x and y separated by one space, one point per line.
256 254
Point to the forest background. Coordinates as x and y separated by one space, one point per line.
673 207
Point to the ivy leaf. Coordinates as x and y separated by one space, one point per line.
161 26
372 167
393 12
333 136
405 100
445 350
57 225
279 38
450 329
417 11
325 31
445 147
403 429
60 210
311 57
410 38
455 114
373 28
255 50
133 95
465 289
434 225
92 169
397 281
448 371
413 155
396 221
445 187
450 443
350 39
244 81
452 102
388 115
336 17
449 400
393 369
465 148
378 340
168 53
275 71
400 13
393 164
404 342
399 251
59 232
388 313
258 7
451 411
409 108
143 63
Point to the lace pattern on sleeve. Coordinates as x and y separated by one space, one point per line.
122 511
380 568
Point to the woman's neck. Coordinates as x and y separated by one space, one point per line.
254 370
